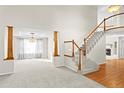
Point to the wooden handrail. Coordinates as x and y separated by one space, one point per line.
107 26
114 15
90 33
76 45
67 41
68 55
115 28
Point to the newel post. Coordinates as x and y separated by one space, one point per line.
79 66
104 24
73 48
84 47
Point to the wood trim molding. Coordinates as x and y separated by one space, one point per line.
56 48
10 44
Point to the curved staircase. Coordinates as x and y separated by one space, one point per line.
79 55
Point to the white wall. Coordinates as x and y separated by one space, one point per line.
122 16
1 34
72 22
1 44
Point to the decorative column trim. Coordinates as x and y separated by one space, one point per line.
10 44
56 47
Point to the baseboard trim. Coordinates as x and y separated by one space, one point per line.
6 73
70 67
90 71
102 63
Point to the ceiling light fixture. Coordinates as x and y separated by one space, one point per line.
113 8
32 38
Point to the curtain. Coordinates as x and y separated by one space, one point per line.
45 48
30 50
21 49
39 48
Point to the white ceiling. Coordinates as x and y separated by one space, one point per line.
26 32
103 7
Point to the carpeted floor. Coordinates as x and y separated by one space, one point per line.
40 74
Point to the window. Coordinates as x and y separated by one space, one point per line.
29 47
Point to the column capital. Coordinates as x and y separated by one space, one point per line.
10 26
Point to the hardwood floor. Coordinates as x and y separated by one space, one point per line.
110 75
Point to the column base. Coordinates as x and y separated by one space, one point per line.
9 59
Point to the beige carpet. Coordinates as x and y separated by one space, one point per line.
40 74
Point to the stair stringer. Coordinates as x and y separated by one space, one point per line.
98 53
91 62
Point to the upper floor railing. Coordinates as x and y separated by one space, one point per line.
103 24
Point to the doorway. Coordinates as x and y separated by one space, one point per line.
121 47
